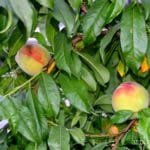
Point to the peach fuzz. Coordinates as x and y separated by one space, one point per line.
130 96
32 57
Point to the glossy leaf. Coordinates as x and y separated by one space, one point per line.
115 9
76 91
48 95
25 12
121 116
62 53
94 20
63 14
59 138
133 37
143 129
46 3
101 73
78 135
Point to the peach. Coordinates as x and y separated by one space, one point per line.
32 57
130 96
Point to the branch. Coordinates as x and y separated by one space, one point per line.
122 134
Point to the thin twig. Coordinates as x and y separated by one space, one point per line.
122 134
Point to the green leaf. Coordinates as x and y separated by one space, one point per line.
25 12
48 95
75 4
146 5
59 138
50 32
33 124
115 9
106 41
121 116
88 78
46 3
143 128
75 65
78 135
76 91
16 40
63 13
38 115
105 102
101 73
62 53
94 20
133 37
99 146
148 49
9 110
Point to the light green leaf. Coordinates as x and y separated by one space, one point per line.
78 135
25 12
146 4
75 4
46 3
76 91
115 9
59 138
133 37
48 95
62 53
121 116
94 20
101 73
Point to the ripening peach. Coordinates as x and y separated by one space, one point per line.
32 57
113 130
130 96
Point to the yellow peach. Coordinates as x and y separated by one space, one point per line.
130 96
32 57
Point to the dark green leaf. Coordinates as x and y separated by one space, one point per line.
63 14
16 40
48 95
25 12
121 116
101 73
59 138
46 3
106 40
143 128
75 65
95 20
62 53
105 102
88 78
78 135
76 91
133 37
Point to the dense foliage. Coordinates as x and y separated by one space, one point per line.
96 45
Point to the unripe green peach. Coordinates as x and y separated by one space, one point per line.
32 57
130 96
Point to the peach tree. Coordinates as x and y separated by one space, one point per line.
91 46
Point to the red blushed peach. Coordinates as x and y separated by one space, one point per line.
130 96
32 58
